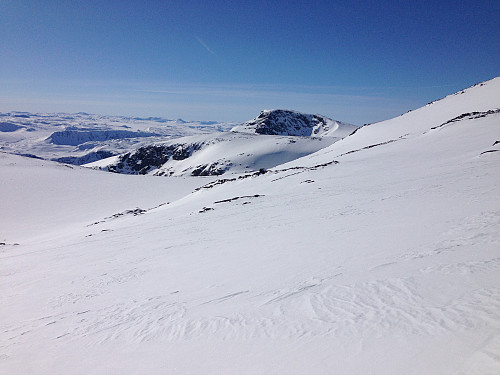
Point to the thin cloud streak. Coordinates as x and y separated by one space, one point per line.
204 45
254 91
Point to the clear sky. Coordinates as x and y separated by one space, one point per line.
355 61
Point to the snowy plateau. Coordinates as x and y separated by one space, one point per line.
290 244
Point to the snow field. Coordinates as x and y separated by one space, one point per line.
386 262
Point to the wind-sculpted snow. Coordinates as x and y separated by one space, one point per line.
379 254
285 122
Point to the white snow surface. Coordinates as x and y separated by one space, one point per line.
481 97
224 152
78 138
377 255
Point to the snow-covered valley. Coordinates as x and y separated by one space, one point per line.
375 254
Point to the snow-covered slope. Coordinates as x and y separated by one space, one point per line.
285 122
471 102
40 197
82 138
213 154
273 138
353 260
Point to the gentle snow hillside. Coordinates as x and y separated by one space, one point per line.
284 122
83 138
213 154
47 196
379 254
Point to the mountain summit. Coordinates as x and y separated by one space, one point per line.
289 135
292 123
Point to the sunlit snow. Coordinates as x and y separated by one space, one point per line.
377 254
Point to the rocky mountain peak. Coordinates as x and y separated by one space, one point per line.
293 123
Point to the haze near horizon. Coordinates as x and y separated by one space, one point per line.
353 61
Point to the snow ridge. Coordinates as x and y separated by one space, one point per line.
213 154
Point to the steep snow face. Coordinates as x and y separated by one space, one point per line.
285 122
213 154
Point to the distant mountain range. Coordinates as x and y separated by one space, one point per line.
134 145
82 138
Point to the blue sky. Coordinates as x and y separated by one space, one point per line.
355 61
